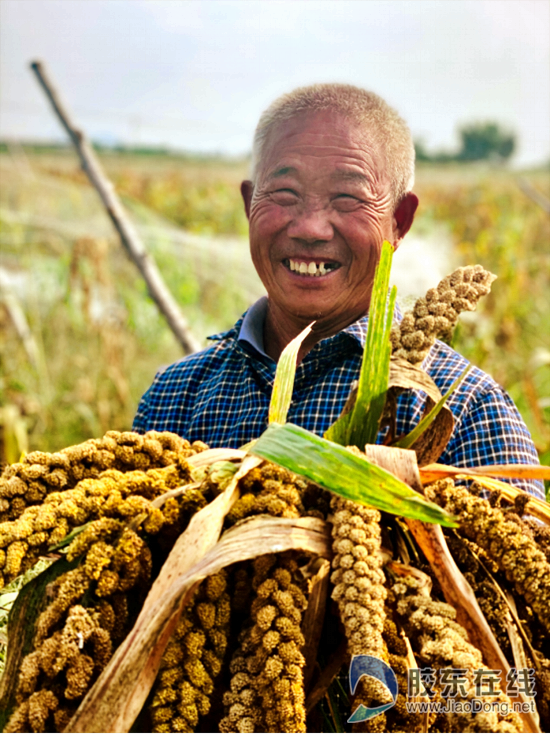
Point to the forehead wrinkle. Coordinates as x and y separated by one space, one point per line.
352 176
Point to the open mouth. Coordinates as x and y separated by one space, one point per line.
311 269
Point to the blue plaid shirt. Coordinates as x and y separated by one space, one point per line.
221 396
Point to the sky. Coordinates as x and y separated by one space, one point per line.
195 75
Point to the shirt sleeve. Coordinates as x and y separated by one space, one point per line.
141 419
493 432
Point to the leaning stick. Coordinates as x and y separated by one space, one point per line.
536 196
128 234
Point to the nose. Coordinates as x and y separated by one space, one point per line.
311 224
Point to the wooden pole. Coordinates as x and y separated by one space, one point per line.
536 196
128 234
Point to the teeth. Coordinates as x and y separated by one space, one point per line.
311 268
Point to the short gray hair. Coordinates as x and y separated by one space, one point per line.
388 130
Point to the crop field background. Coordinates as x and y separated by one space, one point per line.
80 340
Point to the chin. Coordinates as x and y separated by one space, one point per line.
312 313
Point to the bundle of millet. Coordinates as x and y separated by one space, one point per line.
541 535
503 539
74 638
441 643
266 689
193 659
475 565
398 717
67 661
359 589
112 494
267 668
29 481
272 490
437 313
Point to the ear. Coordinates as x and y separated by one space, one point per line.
247 190
403 217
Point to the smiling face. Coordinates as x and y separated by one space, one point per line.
319 212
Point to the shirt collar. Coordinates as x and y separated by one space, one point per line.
249 328
252 327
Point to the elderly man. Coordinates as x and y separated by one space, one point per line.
333 168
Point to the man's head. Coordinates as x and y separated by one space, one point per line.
332 171
386 128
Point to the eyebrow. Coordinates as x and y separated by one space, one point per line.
283 171
353 176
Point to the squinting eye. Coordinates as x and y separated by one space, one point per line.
345 202
284 197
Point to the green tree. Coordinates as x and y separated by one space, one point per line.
485 140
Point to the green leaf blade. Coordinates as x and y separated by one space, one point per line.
339 430
342 472
381 350
364 422
281 397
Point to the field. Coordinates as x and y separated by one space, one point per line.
81 340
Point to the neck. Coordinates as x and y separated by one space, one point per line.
280 328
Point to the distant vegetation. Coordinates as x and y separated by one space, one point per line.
30 146
479 141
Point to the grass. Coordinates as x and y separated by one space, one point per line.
98 336
100 340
